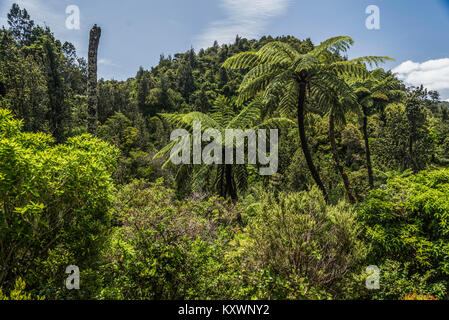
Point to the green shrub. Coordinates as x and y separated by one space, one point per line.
397 281
54 206
407 221
167 249
305 248
19 293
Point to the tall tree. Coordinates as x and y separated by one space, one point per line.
92 100
21 25
373 93
337 112
283 70
143 90
417 120
55 85
186 82
24 78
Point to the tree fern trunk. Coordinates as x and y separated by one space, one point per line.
303 138
230 184
367 149
222 181
92 99
349 191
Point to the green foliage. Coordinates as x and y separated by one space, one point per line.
18 293
340 122
408 222
226 179
167 249
54 201
398 281
310 248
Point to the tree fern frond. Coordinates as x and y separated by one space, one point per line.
185 121
289 100
247 116
277 123
305 62
242 60
251 87
241 177
349 69
277 52
333 45
222 111
372 60
167 149
201 174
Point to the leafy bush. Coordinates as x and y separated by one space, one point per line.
397 281
54 204
167 249
305 248
18 293
408 222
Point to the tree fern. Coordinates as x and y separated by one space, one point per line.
294 80
227 180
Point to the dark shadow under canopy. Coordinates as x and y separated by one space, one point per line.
2 89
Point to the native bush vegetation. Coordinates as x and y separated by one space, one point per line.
55 204
362 179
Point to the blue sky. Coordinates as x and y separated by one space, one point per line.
136 32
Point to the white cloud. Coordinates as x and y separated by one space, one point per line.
107 62
247 18
432 74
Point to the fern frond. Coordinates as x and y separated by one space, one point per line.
277 123
201 174
349 69
289 101
247 116
333 45
372 60
222 111
277 52
250 87
241 177
305 62
167 149
242 60
185 121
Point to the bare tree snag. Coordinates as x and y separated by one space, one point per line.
92 99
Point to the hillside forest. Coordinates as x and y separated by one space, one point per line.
86 177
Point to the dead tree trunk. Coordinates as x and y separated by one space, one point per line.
92 99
